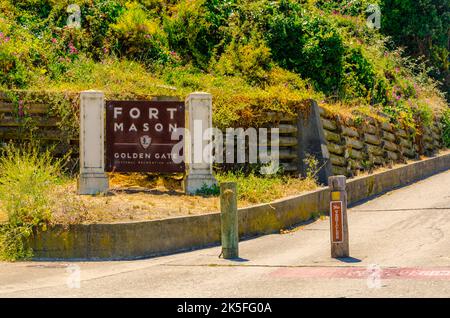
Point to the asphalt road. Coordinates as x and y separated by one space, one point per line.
399 243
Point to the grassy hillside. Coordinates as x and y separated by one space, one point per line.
252 55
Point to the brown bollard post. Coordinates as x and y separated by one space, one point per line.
338 217
229 220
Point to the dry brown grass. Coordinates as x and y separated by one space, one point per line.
130 204
349 110
140 197
3 217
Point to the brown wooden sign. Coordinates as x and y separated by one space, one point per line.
337 222
138 136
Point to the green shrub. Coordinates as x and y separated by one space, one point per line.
199 29
97 20
422 27
358 78
138 36
446 127
13 73
252 55
251 60
347 7
206 190
423 113
26 179
307 44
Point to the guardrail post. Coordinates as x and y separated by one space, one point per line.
338 217
229 220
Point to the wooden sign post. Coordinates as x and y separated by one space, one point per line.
338 217
229 220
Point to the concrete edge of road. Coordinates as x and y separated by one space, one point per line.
134 240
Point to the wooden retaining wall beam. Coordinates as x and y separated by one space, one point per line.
336 170
377 160
283 141
353 154
388 136
335 149
408 152
329 124
338 160
289 166
37 109
354 143
372 139
404 143
330 136
355 165
45 134
281 117
350 132
392 155
374 150
386 126
286 154
287 129
38 121
389 145
370 129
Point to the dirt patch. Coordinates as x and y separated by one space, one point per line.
138 197
129 205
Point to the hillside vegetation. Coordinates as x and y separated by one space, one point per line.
252 55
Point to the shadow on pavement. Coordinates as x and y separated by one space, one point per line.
349 259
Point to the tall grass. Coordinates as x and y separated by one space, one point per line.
253 188
26 178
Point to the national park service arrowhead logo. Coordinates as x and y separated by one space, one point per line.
145 141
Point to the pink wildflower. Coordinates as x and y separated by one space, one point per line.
72 49
20 109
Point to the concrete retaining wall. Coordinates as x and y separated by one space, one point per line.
151 238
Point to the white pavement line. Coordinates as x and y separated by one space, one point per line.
402 210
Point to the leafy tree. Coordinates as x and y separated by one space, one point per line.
423 27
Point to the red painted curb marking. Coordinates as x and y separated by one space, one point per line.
363 273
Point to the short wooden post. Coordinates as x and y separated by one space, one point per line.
229 220
338 217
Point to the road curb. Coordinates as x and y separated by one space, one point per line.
134 240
